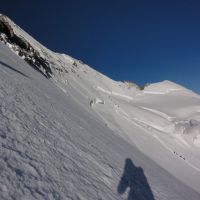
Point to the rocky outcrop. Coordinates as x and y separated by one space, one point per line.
23 48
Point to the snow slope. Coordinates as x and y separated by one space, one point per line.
69 132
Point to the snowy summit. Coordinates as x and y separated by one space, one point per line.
69 132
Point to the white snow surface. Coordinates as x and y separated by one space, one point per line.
78 134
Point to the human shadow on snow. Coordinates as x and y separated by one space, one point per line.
134 179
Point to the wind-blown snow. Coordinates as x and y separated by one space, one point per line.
80 135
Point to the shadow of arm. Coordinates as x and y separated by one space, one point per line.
123 184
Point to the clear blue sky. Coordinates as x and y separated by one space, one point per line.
136 40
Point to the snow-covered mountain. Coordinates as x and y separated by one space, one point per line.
69 132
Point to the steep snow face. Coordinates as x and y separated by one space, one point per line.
73 133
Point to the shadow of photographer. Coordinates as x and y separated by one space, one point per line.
134 179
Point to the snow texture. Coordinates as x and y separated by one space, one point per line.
76 134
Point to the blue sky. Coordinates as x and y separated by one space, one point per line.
137 40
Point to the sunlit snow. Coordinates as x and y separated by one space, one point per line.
76 134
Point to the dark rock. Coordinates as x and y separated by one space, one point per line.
5 27
31 56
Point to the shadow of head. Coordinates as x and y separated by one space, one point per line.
134 178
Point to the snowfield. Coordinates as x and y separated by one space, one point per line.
69 132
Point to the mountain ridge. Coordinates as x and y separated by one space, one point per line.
29 42
68 131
